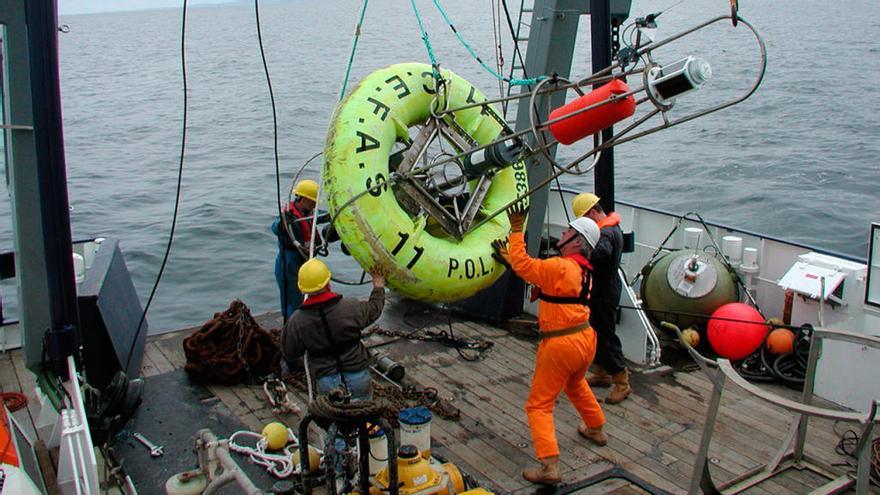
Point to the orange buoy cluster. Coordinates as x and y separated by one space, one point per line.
736 330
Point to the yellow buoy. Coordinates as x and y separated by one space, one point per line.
314 459
424 261
691 336
276 436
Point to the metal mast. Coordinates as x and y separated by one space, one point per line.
38 182
600 46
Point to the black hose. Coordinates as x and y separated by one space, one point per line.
789 369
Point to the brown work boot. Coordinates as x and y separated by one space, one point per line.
599 378
547 474
621 389
595 435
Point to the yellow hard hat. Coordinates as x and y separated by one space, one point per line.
307 188
313 276
583 202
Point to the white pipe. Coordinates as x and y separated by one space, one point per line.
749 269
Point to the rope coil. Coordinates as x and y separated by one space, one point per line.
335 407
279 465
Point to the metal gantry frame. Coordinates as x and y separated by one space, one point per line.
791 454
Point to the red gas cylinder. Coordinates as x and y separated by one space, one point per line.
736 339
583 124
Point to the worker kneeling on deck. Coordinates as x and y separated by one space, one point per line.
328 327
568 343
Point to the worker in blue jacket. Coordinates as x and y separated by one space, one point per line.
294 238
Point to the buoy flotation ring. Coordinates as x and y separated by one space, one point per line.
424 263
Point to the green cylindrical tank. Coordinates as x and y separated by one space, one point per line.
686 282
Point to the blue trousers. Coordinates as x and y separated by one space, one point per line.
360 386
287 263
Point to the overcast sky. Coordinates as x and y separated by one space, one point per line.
70 7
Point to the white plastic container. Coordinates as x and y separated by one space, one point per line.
415 429
79 268
732 246
89 250
692 237
378 451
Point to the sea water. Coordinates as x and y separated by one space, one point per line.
798 160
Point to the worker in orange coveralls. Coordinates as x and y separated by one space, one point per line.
568 343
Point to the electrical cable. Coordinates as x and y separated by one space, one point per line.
789 368
510 80
847 445
176 195
283 223
14 400
457 343
357 34
517 53
499 54
710 317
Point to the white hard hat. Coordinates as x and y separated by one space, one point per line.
587 228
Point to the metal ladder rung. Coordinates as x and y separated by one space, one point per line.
522 38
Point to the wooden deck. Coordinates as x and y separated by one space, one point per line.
654 434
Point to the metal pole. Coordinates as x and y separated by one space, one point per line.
42 35
600 46
550 49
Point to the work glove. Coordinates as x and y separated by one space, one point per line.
500 253
517 213
378 274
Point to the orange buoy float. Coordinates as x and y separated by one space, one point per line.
736 330
572 129
780 341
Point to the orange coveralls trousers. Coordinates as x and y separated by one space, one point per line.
562 361
560 365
